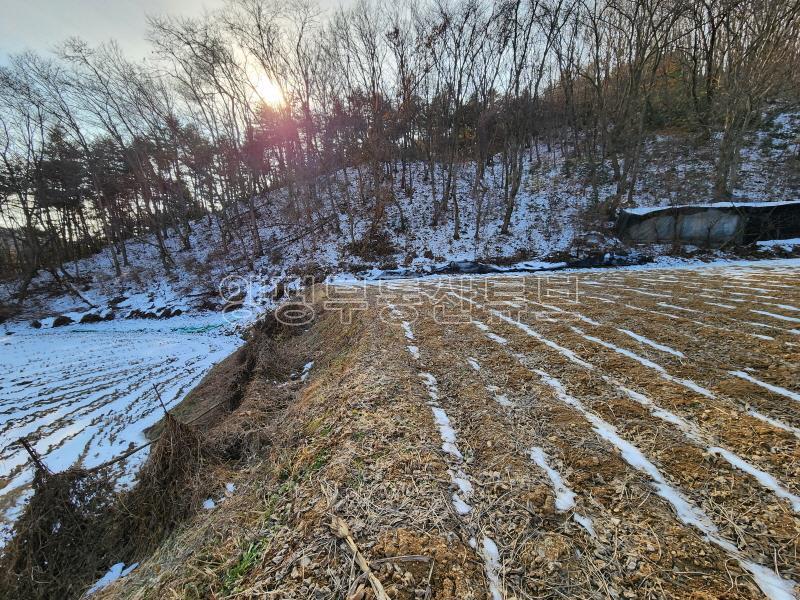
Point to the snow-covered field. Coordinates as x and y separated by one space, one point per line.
84 394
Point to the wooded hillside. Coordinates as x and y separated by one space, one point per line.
330 111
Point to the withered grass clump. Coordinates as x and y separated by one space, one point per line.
169 486
55 550
76 525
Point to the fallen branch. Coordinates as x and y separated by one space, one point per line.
341 531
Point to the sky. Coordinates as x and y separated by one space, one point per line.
41 24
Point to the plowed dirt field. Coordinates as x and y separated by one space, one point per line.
615 434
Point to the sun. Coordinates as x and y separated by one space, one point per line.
268 91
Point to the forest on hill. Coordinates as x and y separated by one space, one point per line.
286 114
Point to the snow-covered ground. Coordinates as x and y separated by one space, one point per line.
678 170
83 394
544 223
785 244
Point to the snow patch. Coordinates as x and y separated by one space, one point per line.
684 309
449 440
775 316
491 335
775 422
565 497
585 522
446 431
501 399
765 479
306 369
491 558
785 244
462 483
528 331
776 389
687 383
643 293
720 304
116 572
651 343
462 508
88 395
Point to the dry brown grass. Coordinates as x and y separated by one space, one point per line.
76 524
352 444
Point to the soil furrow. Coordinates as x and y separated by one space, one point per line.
720 489
497 439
